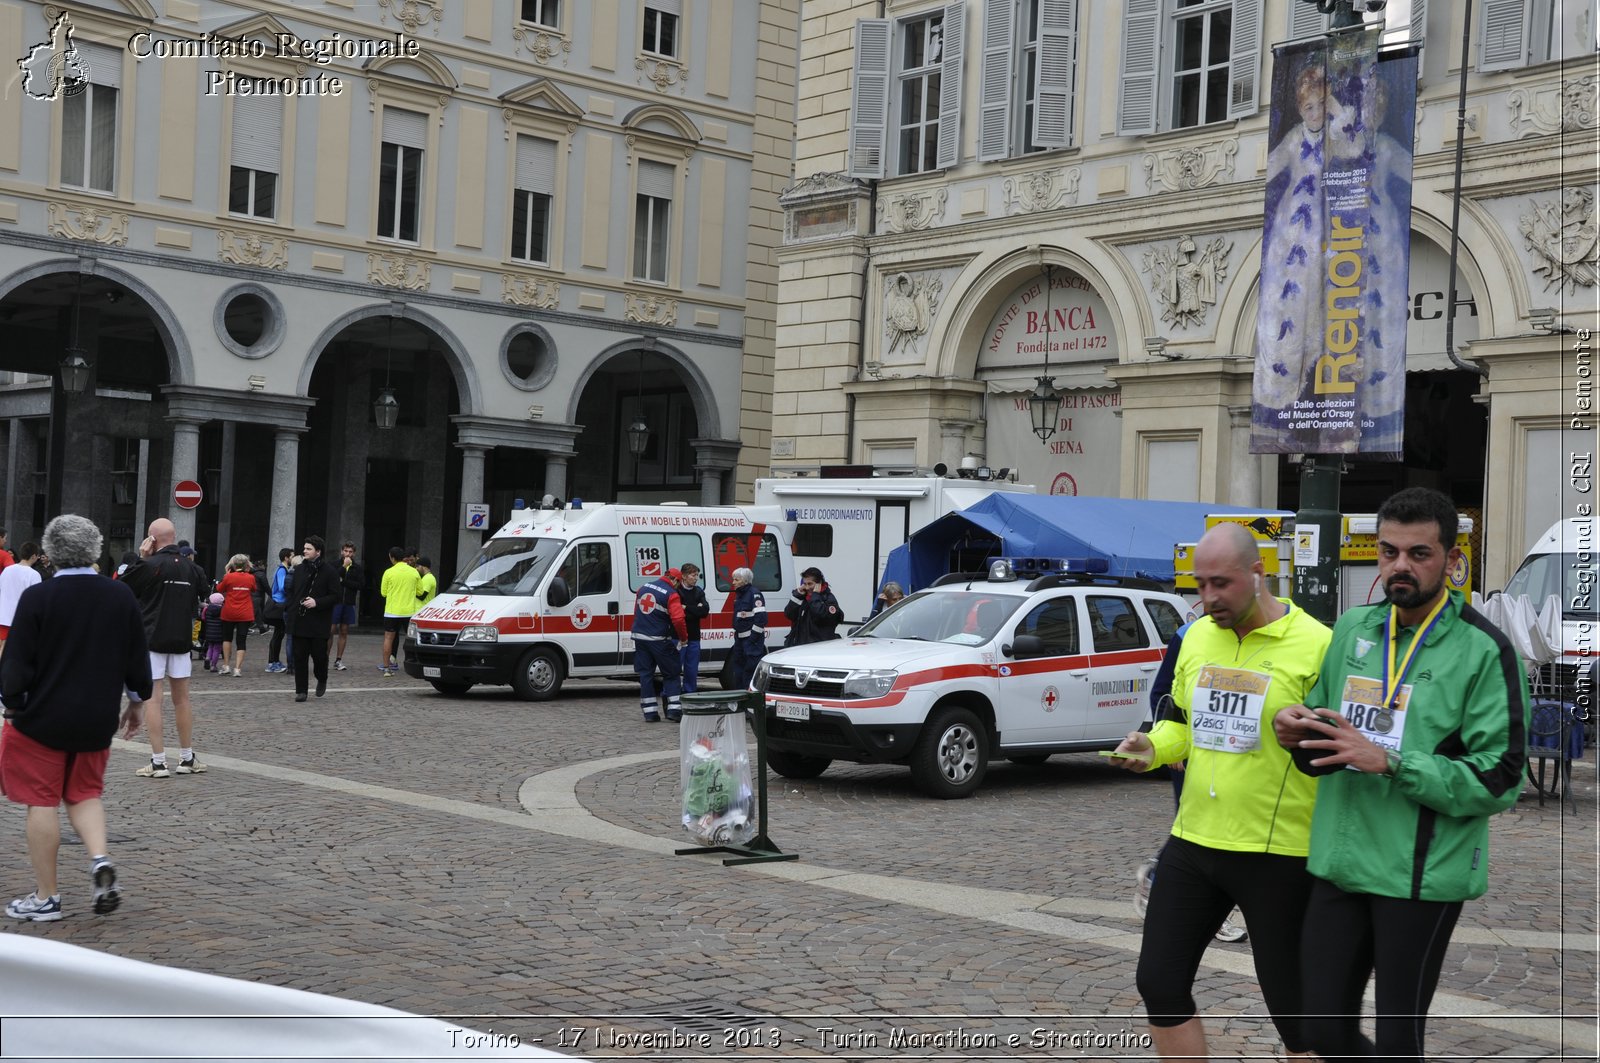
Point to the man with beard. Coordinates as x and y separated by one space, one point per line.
1418 725
1244 818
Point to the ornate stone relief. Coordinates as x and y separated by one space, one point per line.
252 249
86 223
399 271
1563 238
909 304
542 44
911 212
1560 108
649 309
537 292
1186 286
1182 169
819 206
414 14
662 73
1028 193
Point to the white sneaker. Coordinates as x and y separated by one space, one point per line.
222 671
338 665
1144 878
1230 931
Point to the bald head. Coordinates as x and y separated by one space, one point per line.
162 532
1228 571
1230 545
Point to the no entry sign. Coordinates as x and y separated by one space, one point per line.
186 494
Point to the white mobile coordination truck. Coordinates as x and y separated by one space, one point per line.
847 525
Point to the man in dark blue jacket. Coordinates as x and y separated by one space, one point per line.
61 716
659 629
695 609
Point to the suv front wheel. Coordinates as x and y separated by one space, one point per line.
796 765
951 754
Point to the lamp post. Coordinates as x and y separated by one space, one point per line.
386 408
1044 404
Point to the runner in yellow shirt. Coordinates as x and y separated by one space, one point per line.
399 588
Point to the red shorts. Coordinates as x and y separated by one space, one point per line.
34 774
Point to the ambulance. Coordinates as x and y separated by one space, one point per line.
550 595
1562 563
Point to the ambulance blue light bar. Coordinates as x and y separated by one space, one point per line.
1003 569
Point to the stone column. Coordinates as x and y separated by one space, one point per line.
1244 471
555 476
469 542
185 465
285 487
230 439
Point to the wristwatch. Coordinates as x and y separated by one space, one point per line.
1393 757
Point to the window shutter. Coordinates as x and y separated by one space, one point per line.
105 64
1504 40
670 7
950 76
1305 20
406 128
869 98
1141 36
1419 21
536 165
1057 73
1244 62
994 100
655 180
257 132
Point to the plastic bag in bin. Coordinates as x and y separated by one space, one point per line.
718 804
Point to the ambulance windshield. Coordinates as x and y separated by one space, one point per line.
1567 576
508 566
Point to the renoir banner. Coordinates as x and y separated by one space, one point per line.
1331 336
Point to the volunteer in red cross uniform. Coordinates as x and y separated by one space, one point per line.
659 630
814 611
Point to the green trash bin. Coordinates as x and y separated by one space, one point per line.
715 779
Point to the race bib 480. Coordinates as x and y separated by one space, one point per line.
1362 704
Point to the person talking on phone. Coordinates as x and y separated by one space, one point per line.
313 591
1243 825
1419 726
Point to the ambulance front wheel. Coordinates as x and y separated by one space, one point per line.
539 675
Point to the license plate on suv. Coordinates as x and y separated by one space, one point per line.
793 710
431 673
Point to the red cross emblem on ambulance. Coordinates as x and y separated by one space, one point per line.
581 617
1049 698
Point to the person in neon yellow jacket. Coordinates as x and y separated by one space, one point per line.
1244 819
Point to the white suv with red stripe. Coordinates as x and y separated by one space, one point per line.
977 666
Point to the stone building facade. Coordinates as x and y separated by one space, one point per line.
532 223
969 171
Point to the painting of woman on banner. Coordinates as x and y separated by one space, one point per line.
1331 333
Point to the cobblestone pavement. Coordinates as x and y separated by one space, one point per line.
511 865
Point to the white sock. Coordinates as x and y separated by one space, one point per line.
187 754
158 758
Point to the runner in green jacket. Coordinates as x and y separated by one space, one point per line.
1418 725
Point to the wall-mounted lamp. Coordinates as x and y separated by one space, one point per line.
874 368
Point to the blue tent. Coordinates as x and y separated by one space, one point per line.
1135 537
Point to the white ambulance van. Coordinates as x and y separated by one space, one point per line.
848 519
550 595
1563 562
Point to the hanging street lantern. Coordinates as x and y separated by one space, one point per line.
1045 406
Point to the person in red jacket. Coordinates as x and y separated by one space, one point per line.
238 589
659 632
